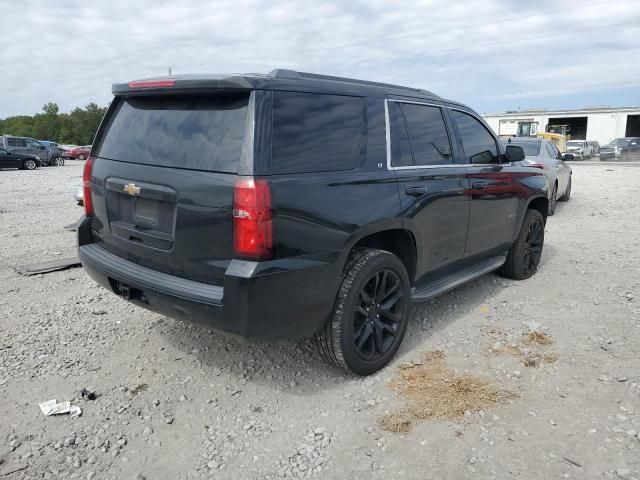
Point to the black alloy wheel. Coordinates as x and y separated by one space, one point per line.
370 314
377 318
533 247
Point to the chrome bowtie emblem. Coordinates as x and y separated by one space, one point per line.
131 189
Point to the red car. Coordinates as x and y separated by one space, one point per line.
78 152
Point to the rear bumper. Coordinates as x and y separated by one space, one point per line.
262 300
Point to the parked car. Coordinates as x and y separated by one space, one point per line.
580 149
621 148
295 204
55 154
595 147
23 161
26 146
81 153
545 155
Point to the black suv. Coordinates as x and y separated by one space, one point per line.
294 204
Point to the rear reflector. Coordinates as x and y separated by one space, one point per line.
152 83
86 187
252 220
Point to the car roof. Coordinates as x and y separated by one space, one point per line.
279 79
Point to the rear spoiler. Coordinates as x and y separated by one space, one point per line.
180 84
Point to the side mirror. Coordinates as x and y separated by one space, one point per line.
568 156
515 153
42 147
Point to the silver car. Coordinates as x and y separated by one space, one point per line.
545 155
580 149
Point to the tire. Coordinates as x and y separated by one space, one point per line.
567 192
521 250
551 209
81 157
356 316
30 164
58 162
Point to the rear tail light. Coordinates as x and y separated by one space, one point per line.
252 219
86 187
537 165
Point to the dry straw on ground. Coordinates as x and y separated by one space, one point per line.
433 392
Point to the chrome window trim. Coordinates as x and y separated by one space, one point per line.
388 134
423 167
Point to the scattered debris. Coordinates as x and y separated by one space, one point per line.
432 392
538 338
533 326
88 394
52 407
141 387
573 462
48 267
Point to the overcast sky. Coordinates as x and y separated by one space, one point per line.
494 55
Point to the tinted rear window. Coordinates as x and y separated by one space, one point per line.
531 149
201 133
315 132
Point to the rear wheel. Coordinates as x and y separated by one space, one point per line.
551 209
524 255
370 314
567 193
30 164
81 157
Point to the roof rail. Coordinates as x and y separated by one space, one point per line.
292 74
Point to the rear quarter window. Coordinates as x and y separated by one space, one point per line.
315 132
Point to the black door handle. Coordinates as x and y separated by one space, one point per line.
416 191
479 185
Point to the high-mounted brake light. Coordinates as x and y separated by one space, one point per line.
152 83
252 219
86 187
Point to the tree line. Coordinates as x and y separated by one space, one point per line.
77 127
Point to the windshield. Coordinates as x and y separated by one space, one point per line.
531 149
620 141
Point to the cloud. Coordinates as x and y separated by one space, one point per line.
487 53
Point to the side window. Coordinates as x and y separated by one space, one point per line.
400 148
14 142
479 145
427 134
315 132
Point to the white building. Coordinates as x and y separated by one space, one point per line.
602 124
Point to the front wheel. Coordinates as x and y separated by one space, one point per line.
370 315
524 256
30 164
59 162
81 157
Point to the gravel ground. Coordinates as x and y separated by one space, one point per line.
176 401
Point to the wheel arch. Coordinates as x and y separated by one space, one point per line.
540 204
399 241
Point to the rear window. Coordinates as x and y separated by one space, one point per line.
315 132
531 149
200 133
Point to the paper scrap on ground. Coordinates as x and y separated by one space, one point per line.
52 407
